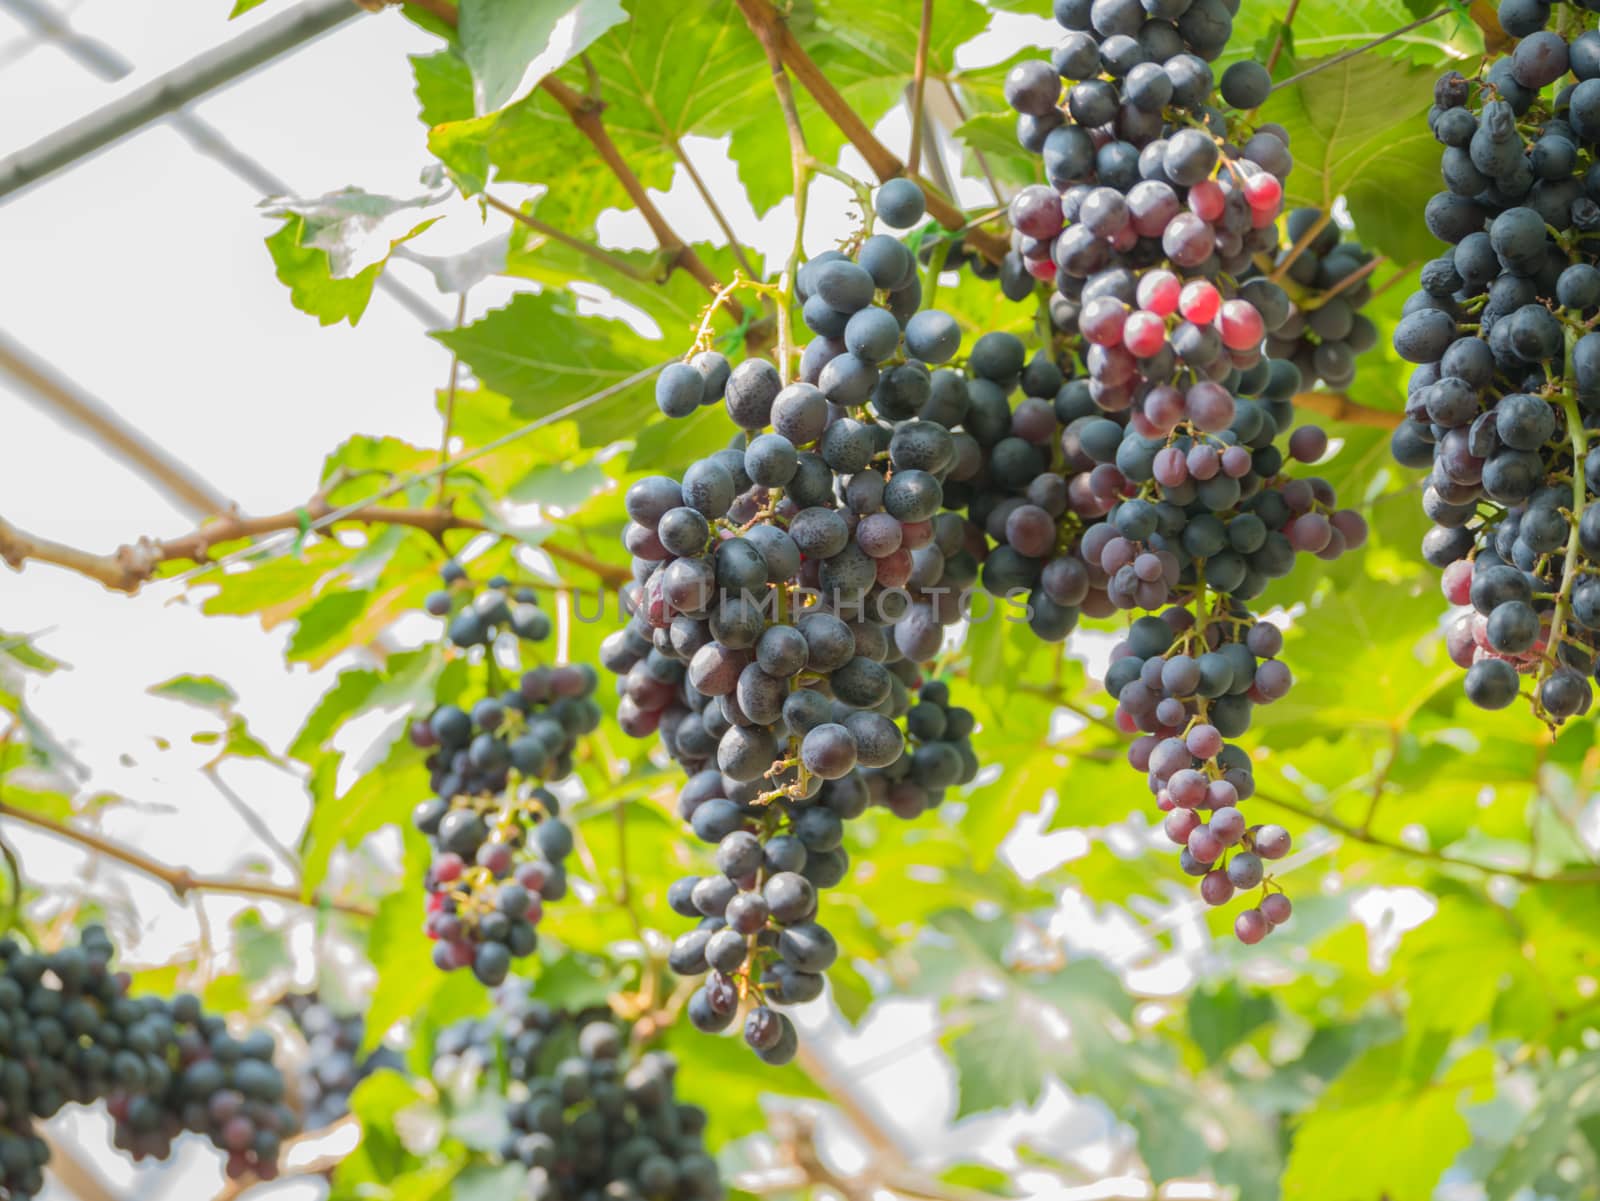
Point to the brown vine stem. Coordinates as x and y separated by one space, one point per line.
180 880
1336 406
1351 280
1328 821
867 1124
1277 42
129 568
1299 248
1346 55
605 258
714 208
761 15
801 164
919 85
794 1134
585 115
450 408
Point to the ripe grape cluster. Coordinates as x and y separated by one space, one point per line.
498 839
70 1033
334 1064
1328 284
773 642
1158 480
1191 687
587 1116
1507 379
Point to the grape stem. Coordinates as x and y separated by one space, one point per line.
1587 877
180 880
450 408
73 1174
1349 281
1569 567
1362 49
919 83
605 258
584 113
1103 754
1299 248
936 261
800 163
1283 30
765 21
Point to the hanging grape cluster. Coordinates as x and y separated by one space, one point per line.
333 1064
1507 381
586 1115
1158 480
71 1034
769 643
498 839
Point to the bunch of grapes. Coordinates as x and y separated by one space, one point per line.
1328 283
1507 382
1189 686
498 839
334 1064
773 643
1157 201
587 1117
1156 483
71 1034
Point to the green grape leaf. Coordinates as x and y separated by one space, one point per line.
382 1160
542 355
400 953
512 44
1359 129
670 446
262 951
1222 1017
377 798
20 650
354 227
718 1074
1567 1096
312 286
1386 1133
994 137
205 692
999 1059
324 623
240 7
1321 30
572 983
483 1182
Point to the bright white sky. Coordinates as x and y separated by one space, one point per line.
141 274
